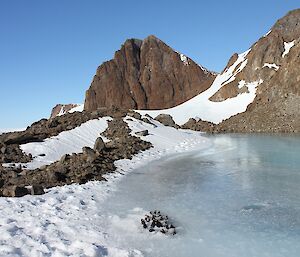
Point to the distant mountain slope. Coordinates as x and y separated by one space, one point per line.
146 74
260 88
275 59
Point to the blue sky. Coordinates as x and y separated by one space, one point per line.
49 50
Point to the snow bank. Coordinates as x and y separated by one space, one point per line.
66 142
271 66
202 108
69 220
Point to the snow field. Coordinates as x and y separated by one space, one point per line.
68 220
200 107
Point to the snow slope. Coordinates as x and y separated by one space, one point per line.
66 142
69 220
200 107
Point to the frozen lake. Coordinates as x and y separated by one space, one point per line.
240 198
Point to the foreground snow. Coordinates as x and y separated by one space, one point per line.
200 107
69 220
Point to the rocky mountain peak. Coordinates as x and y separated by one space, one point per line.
61 109
146 74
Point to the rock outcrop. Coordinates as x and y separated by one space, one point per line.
199 125
61 109
146 74
166 120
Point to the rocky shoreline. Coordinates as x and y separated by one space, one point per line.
91 164
80 168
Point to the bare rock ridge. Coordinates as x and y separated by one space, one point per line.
146 74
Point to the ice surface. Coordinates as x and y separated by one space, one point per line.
239 198
201 107
287 47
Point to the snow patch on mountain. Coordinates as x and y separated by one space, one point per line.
287 47
271 66
77 108
241 84
202 108
267 33
184 59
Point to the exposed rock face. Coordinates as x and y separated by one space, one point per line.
61 109
146 74
275 60
99 145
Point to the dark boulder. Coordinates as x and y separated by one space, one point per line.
142 133
166 120
37 190
99 145
15 191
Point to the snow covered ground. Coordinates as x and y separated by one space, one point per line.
200 107
67 142
68 221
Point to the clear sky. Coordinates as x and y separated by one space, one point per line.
50 49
